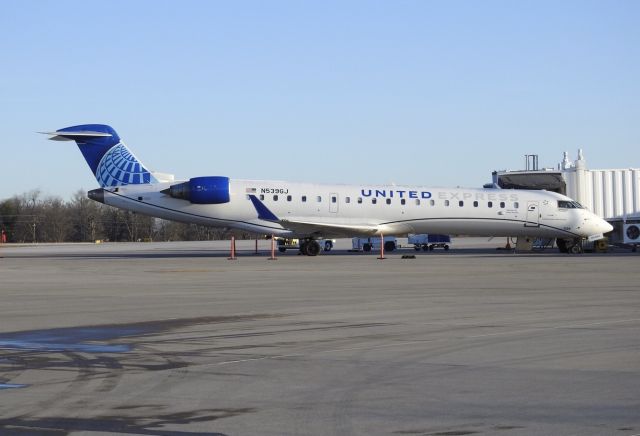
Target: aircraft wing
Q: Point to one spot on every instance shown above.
(320, 228)
(324, 229)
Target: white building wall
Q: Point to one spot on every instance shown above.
(613, 193)
(627, 193)
(609, 193)
(635, 183)
(596, 187)
(618, 193)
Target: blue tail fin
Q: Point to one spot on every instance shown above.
(110, 160)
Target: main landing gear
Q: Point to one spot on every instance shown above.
(573, 246)
(309, 247)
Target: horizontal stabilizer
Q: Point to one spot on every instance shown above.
(73, 136)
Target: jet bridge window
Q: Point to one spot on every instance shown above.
(569, 205)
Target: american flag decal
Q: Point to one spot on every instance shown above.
(251, 190)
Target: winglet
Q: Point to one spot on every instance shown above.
(263, 212)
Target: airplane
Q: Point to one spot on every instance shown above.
(310, 211)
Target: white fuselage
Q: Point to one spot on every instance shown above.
(391, 210)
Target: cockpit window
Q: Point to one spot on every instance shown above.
(569, 205)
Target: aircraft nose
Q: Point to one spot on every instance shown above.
(606, 227)
(598, 225)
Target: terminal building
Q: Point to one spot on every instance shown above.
(613, 194)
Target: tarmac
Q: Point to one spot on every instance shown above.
(174, 339)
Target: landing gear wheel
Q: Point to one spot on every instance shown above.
(425, 247)
(328, 245)
(431, 247)
(303, 248)
(282, 249)
(446, 248)
(366, 247)
(313, 248)
(389, 246)
(576, 249)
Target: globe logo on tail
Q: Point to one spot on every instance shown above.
(119, 167)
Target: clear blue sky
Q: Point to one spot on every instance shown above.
(412, 92)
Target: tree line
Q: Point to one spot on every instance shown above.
(34, 217)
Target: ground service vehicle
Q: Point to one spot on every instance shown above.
(373, 243)
(429, 241)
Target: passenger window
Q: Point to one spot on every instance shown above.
(417, 202)
(288, 198)
(490, 204)
(319, 199)
(475, 204)
(516, 205)
(261, 197)
(403, 202)
(502, 204)
(432, 202)
(388, 201)
(374, 201)
(359, 200)
(334, 199)
(446, 202)
(275, 198)
(461, 203)
(304, 198)
(347, 199)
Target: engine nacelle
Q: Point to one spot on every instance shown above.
(202, 190)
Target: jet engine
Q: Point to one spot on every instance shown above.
(201, 190)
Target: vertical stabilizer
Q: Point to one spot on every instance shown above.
(110, 160)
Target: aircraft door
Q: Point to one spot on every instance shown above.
(533, 214)
(333, 202)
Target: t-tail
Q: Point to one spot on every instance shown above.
(110, 160)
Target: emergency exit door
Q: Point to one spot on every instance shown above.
(533, 214)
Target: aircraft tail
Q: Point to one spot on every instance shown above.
(110, 160)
